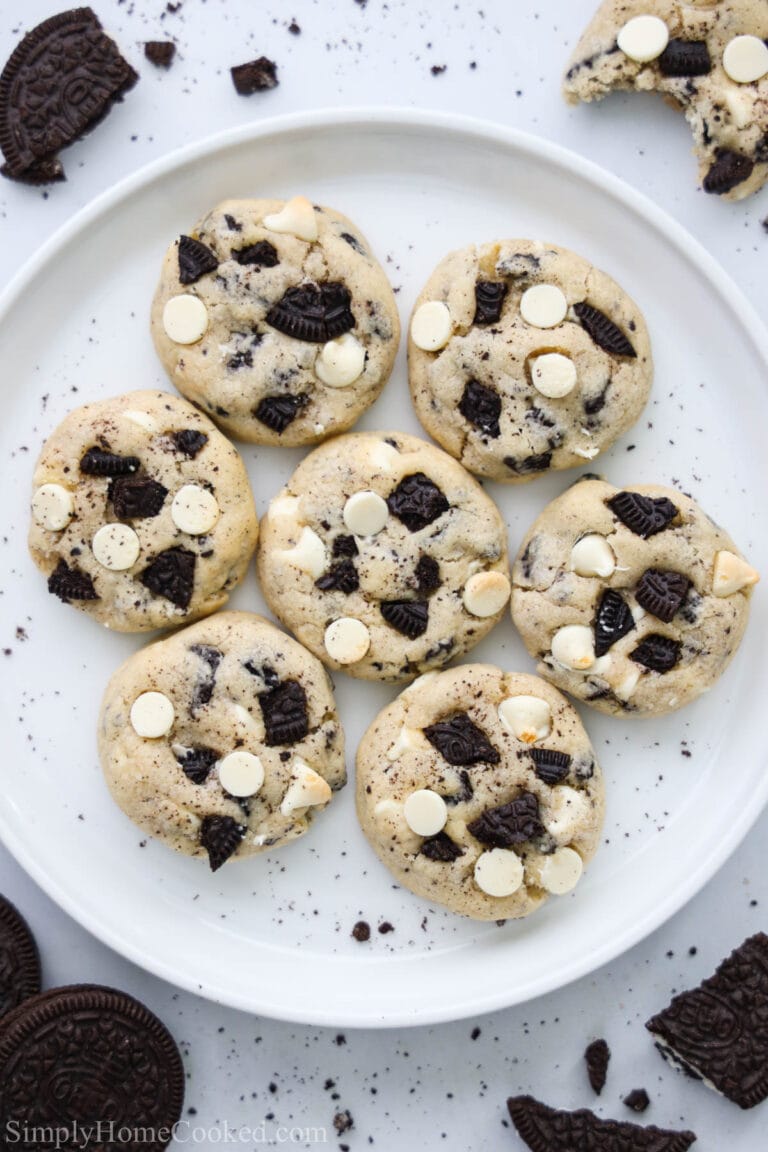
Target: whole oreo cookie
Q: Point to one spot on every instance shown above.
(19, 959)
(82, 1053)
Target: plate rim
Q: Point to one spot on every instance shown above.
(510, 139)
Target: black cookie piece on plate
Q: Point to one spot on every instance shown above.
(597, 1056)
(19, 959)
(718, 1032)
(546, 1129)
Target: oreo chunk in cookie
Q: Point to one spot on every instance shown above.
(417, 501)
(509, 824)
(313, 312)
(546, 1129)
(19, 959)
(459, 741)
(718, 1032)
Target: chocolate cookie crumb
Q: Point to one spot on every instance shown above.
(638, 1100)
(597, 1056)
(362, 931)
(385, 927)
(255, 76)
(343, 1121)
(160, 52)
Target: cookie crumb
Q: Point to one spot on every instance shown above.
(160, 52)
(343, 1121)
(386, 927)
(637, 1100)
(362, 931)
(597, 1055)
(255, 76)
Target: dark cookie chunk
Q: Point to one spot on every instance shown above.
(662, 592)
(466, 792)
(719, 1031)
(643, 515)
(489, 298)
(285, 712)
(441, 849)
(637, 1100)
(685, 58)
(728, 171)
(220, 836)
(74, 1055)
(417, 501)
(211, 658)
(550, 765)
(59, 82)
(19, 959)
(97, 462)
(196, 763)
(341, 577)
(409, 617)
(603, 331)
(461, 742)
(546, 1129)
(538, 463)
(195, 260)
(597, 1056)
(614, 619)
(255, 76)
(313, 312)
(172, 575)
(189, 441)
(137, 498)
(344, 546)
(481, 407)
(160, 52)
(427, 575)
(261, 255)
(277, 412)
(659, 653)
(509, 824)
(71, 584)
(361, 932)
(353, 242)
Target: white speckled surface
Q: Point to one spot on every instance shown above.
(433, 1087)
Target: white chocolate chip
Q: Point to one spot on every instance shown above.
(431, 326)
(499, 872)
(486, 593)
(587, 453)
(306, 789)
(553, 374)
(241, 715)
(643, 38)
(417, 686)
(593, 556)
(574, 647)
(152, 715)
(52, 507)
(625, 686)
(340, 362)
(347, 640)
(745, 59)
(740, 105)
(561, 872)
(285, 506)
(142, 419)
(388, 811)
(543, 306)
(407, 740)
(296, 218)
(383, 456)
(365, 513)
(308, 553)
(241, 773)
(185, 319)
(732, 574)
(565, 813)
(425, 812)
(194, 510)
(116, 547)
(638, 612)
(529, 718)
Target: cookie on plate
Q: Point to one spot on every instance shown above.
(632, 599)
(142, 514)
(19, 959)
(222, 740)
(276, 319)
(479, 789)
(710, 60)
(384, 556)
(523, 357)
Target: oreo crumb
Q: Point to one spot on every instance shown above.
(362, 932)
(638, 1100)
(343, 1121)
(255, 76)
(385, 927)
(438, 69)
(160, 52)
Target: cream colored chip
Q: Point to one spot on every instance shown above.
(194, 510)
(152, 715)
(425, 812)
(592, 555)
(431, 326)
(553, 374)
(499, 872)
(308, 553)
(296, 218)
(307, 789)
(185, 319)
(241, 773)
(407, 740)
(529, 718)
(543, 306)
(116, 547)
(340, 362)
(285, 506)
(561, 872)
(347, 640)
(365, 513)
(53, 507)
(486, 593)
(643, 38)
(745, 59)
(732, 574)
(574, 647)
(565, 811)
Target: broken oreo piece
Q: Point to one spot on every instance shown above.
(341, 577)
(656, 652)
(441, 849)
(417, 501)
(489, 298)
(172, 575)
(277, 412)
(160, 53)
(344, 546)
(718, 1032)
(546, 1129)
(613, 620)
(508, 824)
(211, 658)
(409, 617)
(459, 741)
(643, 515)
(97, 462)
(537, 463)
(261, 255)
(728, 170)
(195, 259)
(254, 76)
(603, 331)
(71, 584)
(597, 1055)
(685, 58)
(19, 959)
(136, 497)
(481, 407)
(637, 1100)
(662, 592)
(550, 765)
(220, 836)
(285, 712)
(315, 313)
(189, 441)
(196, 763)
(427, 575)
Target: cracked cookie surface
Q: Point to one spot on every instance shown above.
(222, 740)
(479, 789)
(524, 358)
(633, 600)
(275, 318)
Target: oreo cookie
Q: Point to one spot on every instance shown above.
(508, 824)
(489, 298)
(277, 412)
(259, 255)
(441, 849)
(19, 959)
(220, 836)
(254, 76)
(643, 515)
(137, 497)
(613, 620)
(285, 712)
(341, 577)
(99, 462)
(657, 653)
(196, 763)
(459, 741)
(160, 52)
(172, 575)
(662, 592)
(728, 171)
(71, 584)
(408, 617)
(195, 260)
(685, 58)
(603, 331)
(550, 765)
(546, 1129)
(481, 407)
(597, 1056)
(313, 312)
(189, 442)
(417, 501)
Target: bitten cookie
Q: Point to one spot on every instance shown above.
(523, 358)
(480, 790)
(632, 600)
(223, 740)
(384, 556)
(710, 60)
(276, 319)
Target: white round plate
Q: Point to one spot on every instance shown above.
(272, 935)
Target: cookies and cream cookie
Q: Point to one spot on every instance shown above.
(384, 556)
(631, 599)
(142, 514)
(479, 790)
(523, 357)
(222, 740)
(276, 319)
(708, 59)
